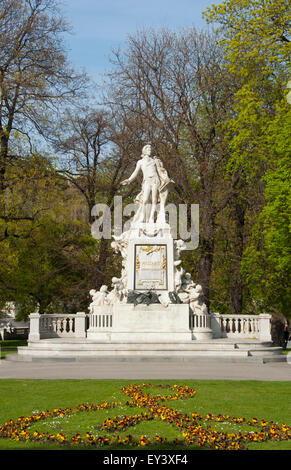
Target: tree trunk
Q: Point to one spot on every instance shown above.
(207, 234)
(3, 160)
(236, 287)
(102, 260)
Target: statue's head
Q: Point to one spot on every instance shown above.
(103, 289)
(146, 150)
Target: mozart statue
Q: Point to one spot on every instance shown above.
(155, 186)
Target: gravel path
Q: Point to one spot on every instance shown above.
(146, 370)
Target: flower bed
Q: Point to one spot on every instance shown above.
(195, 429)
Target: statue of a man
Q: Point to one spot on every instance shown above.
(155, 186)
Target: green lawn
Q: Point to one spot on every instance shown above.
(247, 399)
(10, 346)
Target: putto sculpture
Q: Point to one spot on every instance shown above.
(99, 298)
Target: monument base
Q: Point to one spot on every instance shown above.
(142, 323)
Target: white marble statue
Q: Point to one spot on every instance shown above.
(178, 278)
(120, 245)
(117, 293)
(179, 246)
(187, 283)
(150, 254)
(196, 304)
(185, 286)
(98, 298)
(155, 187)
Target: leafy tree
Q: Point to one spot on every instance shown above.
(256, 37)
(267, 260)
(47, 261)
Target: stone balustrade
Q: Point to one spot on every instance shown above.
(102, 321)
(220, 326)
(199, 321)
(57, 325)
(241, 326)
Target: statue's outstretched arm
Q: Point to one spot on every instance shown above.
(133, 176)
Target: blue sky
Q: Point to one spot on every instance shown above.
(101, 25)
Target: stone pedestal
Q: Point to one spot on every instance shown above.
(265, 327)
(34, 327)
(141, 324)
(80, 325)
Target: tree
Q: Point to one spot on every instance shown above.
(92, 158)
(256, 38)
(255, 34)
(80, 139)
(35, 77)
(267, 260)
(48, 261)
(174, 88)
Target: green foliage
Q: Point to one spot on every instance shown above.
(47, 255)
(47, 264)
(267, 260)
(255, 34)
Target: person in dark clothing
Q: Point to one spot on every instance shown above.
(285, 335)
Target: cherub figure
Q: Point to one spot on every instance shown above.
(187, 283)
(116, 295)
(196, 304)
(98, 298)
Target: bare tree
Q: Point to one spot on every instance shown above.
(35, 76)
(176, 88)
(81, 138)
(95, 152)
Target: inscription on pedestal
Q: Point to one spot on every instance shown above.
(150, 267)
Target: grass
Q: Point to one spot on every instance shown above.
(286, 351)
(248, 399)
(10, 346)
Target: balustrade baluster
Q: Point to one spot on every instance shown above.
(54, 325)
(222, 324)
(236, 326)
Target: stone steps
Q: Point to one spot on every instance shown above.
(162, 359)
(79, 344)
(71, 349)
